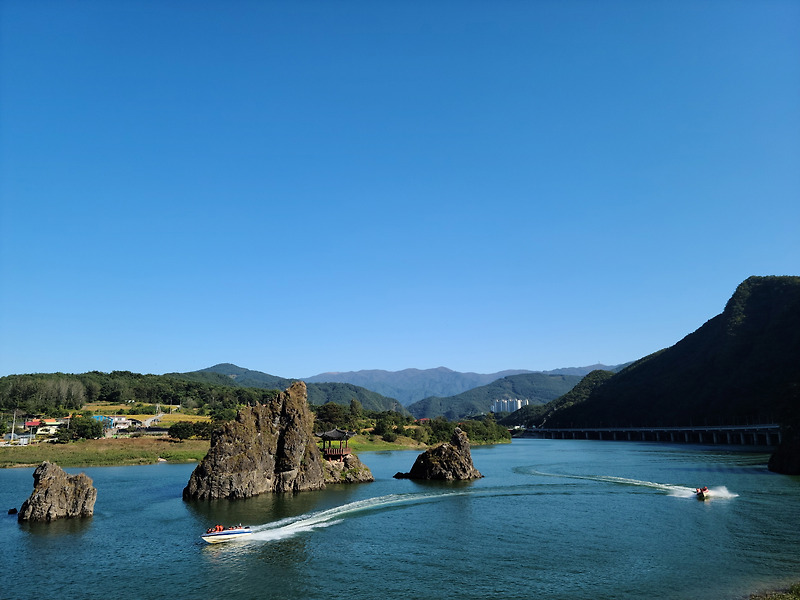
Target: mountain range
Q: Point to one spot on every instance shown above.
(463, 394)
(411, 385)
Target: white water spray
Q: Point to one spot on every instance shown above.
(292, 526)
(677, 491)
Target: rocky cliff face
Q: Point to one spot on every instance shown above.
(350, 470)
(58, 495)
(268, 448)
(447, 462)
(786, 458)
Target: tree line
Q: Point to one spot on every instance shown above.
(389, 425)
(58, 394)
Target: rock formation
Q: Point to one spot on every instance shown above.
(447, 462)
(786, 458)
(57, 495)
(267, 448)
(350, 470)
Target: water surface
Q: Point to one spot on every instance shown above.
(550, 519)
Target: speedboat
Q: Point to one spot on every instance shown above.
(703, 493)
(218, 534)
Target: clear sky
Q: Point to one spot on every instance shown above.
(308, 186)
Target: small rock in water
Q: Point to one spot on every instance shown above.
(57, 495)
(448, 462)
(12, 511)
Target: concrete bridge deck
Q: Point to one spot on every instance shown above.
(739, 435)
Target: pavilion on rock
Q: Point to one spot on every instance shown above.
(341, 436)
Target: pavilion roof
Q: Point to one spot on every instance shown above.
(336, 434)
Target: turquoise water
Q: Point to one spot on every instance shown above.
(550, 519)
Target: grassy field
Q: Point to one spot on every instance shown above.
(144, 450)
(361, 443)
(105, 452)
(168, 419)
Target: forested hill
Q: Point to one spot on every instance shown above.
(742, 365)
(55, 394)
(318, 393)
(229, 374)
(537, 388)
(410, 385)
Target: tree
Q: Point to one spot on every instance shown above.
(181, 430)
(220, 415)
(86, 428)
(332, 413)
(382, 426)
(203, 429)
(356, 409)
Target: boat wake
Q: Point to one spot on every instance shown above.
(292, 526)
(677, 491)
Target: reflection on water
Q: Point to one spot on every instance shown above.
(57, 528)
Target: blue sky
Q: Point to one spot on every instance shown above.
(309, 186)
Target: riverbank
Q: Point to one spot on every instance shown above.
(146, 450)
(793, 593)
(105, 452)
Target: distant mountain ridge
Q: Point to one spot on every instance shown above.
(536, 388)
(318, 393)
(379, 390)
(411, 385)
(742, 365)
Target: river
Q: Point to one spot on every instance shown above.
(558, 519)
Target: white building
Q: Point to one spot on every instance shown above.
(508, 405)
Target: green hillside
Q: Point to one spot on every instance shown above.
(56, 394)
(537, 415)
(741, 366)
(537, 388)
(210, 392)
(244, 377)
(318, 393)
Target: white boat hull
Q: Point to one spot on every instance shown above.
(226, 535)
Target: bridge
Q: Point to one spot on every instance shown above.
(739, 435)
